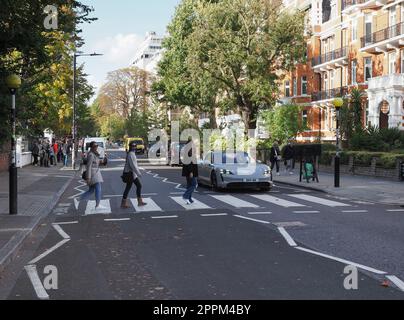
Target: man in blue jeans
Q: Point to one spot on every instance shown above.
(190, 172)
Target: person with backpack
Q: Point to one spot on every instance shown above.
(93, 178)
(131, 175)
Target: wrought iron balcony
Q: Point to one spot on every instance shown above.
(349, 3)
(329, 94)
(382, 35)
(330, 56)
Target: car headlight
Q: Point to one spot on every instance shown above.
(267, 172)
(225, 171)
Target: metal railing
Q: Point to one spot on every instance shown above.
(348, 3)
(329, 56)
(382, 35)
(329, 94)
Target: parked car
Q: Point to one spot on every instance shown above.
(101, 149)
(234, 170)
(139, 143)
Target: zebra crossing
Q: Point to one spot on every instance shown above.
(216, 201)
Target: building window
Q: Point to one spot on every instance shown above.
(354, 30)
(332, 84)
(304, 81)
(325, 81)
(368, 68)
(294, 87)
(287, 88)
(304, 118)
(326, 6)
(333, 9)
(392, 16)
(368, 28)
(392, 62)
(353, 72)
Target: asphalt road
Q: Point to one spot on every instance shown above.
(288, 243)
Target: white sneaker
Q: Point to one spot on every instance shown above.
(188, 202)
(76, 203)
(278, 174)
(100, 208)
(290, 172)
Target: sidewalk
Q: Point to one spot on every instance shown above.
(39, 189)
(363, 188)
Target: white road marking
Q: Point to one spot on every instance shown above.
(193, 206)
(50, 250)
(306, 211)
(255, 220)
(59, 229)
(398, 282)
(252, 213)
(64, 204)
(354, 211)
(287, 237)
(318, 200)
(278, 201)
(360, 266)
(289, 224)
(150, 206)
(36, 282)
(164, 217)
(213, 214)
(395, 210)
(123, 219)
(91, 207)
(235, 202)
(67, 222)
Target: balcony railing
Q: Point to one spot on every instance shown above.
(327, 57)
(383, 35)
(348, 3)
(329, 94)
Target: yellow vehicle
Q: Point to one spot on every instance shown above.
(140, 148)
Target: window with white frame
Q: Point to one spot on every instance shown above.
(325, 87)
(287, 88)
(392, 62)
(304, 119)
(354, 30)
(368, 28)
(333, 9)
(392, 16)
(367, 62)
(294, 87)
(353, 72)
(332, 84)
(304, 83)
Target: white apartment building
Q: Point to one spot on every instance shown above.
(149, 53)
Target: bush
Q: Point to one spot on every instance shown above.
(375, 139)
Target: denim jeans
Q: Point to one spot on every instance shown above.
(191, 185)
(65, 158)
(94, 188)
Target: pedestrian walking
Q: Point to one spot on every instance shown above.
(35, 154)
(131, 175)
(190, 171)
(52, 157)
(64, 154)
(275, 157)
(93, 178)
(41, 153)
(288, 156)
(46, 154)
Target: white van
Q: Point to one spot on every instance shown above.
(102, 145)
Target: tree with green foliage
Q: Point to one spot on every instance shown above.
(242, 46)
(283, 122)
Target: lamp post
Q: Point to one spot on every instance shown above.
(337, 102)
(13, 82)
(74, 103)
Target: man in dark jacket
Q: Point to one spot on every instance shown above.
(288, 156)
(190, 171)
(35, 153)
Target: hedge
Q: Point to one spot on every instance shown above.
(384, 160)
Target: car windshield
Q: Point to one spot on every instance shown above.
(230, 158)
(100, 145)
(138, 141)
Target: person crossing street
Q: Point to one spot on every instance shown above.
(131, 175)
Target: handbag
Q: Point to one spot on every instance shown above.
(84, 175)
(127, 177)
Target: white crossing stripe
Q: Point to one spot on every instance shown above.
(164, 217)
(395, 210)
(318, 200)
(257, 213)
(354, 211)
(149, 207)
(213, 214)
(235, 202)
(277, 201)
(306, 211)
(90, 209)
(193, 206)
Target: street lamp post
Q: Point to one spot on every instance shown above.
(13, 82)
(337, 102)
(74, 148)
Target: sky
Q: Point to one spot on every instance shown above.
(120, 29)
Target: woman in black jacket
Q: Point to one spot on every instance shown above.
(275, 157)
(190, 172)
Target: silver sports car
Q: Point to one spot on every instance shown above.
(233, 170)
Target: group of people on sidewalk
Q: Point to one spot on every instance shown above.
(287, 155)
(46, 153)
(131, 176)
